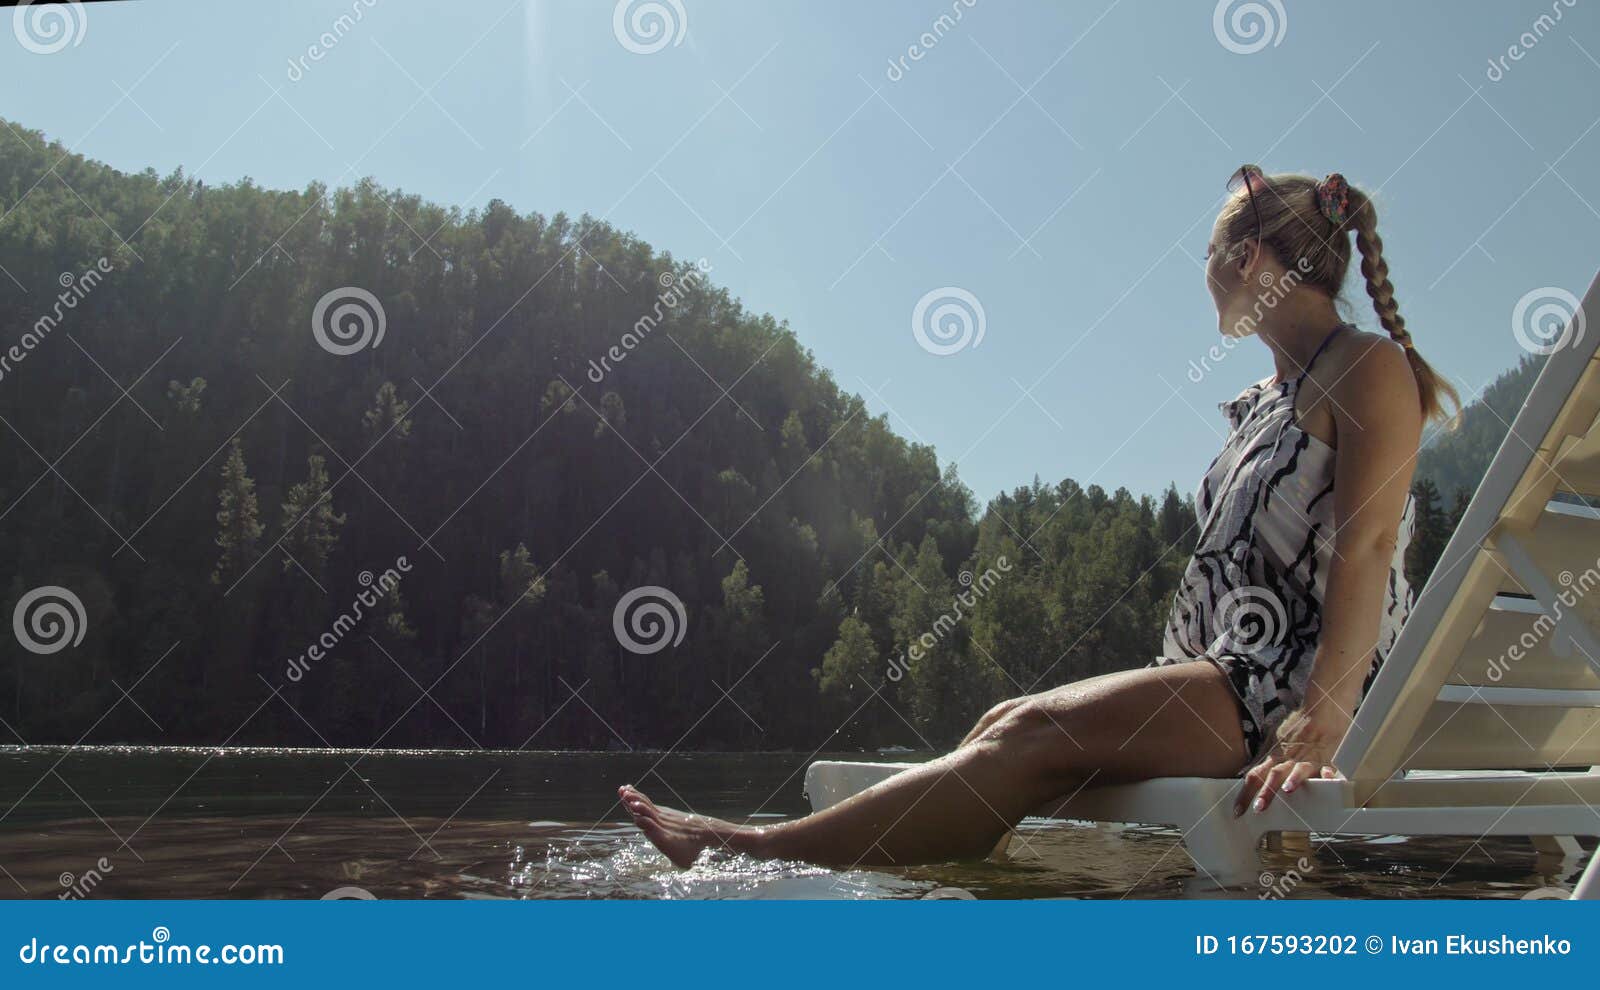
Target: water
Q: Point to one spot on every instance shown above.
(140, 822)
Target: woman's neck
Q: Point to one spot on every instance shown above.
(1295, 330)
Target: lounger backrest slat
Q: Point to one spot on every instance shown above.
(1513, 648)
(1498, 666)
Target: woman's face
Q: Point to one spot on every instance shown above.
(1226, 274)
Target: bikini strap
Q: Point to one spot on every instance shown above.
(1318, 353)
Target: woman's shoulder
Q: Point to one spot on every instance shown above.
(1365, 369)
(1371, 359)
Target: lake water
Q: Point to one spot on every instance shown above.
(132, 822)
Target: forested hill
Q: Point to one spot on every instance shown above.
(541, 416)
(1457, 460)
(500, 490)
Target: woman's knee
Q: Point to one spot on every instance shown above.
(1001, 710)
(1032, 728)
(990, 717)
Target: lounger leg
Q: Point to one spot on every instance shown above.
(998, 853)
(1289, 842)
(1559, 846)
(1588, 888)
(1225, 851)
(1560, 856)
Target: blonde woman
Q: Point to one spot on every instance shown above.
(1293, 597)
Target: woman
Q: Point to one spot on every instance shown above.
(1294, 595)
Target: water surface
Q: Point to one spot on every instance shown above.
(138, 822)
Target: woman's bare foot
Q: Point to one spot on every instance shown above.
(682, 837)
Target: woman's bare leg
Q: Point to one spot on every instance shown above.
(1179, 720)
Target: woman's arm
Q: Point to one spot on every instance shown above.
(1378, 424)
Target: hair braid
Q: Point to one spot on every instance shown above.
(1363, 219)
(1376, 270)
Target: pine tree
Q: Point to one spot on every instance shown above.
(849, 670)
(238, 518)
(1430, 531)
(312, 527)
(387, 415)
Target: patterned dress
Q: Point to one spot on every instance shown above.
(1251, 597)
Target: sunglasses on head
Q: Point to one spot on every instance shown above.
(1246, 177)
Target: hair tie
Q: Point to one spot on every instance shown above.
(1333, 198)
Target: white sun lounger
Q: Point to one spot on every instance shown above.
(1485, 719)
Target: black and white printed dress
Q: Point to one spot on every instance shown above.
(1251, 597)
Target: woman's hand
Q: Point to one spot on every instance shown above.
(1304, 749)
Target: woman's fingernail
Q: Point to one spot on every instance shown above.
(1258, 805)
(1288, 786)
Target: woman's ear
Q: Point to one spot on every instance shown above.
(1249, 257)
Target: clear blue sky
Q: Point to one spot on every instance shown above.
(1061, 162)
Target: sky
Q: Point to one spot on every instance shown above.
(1057, 166)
